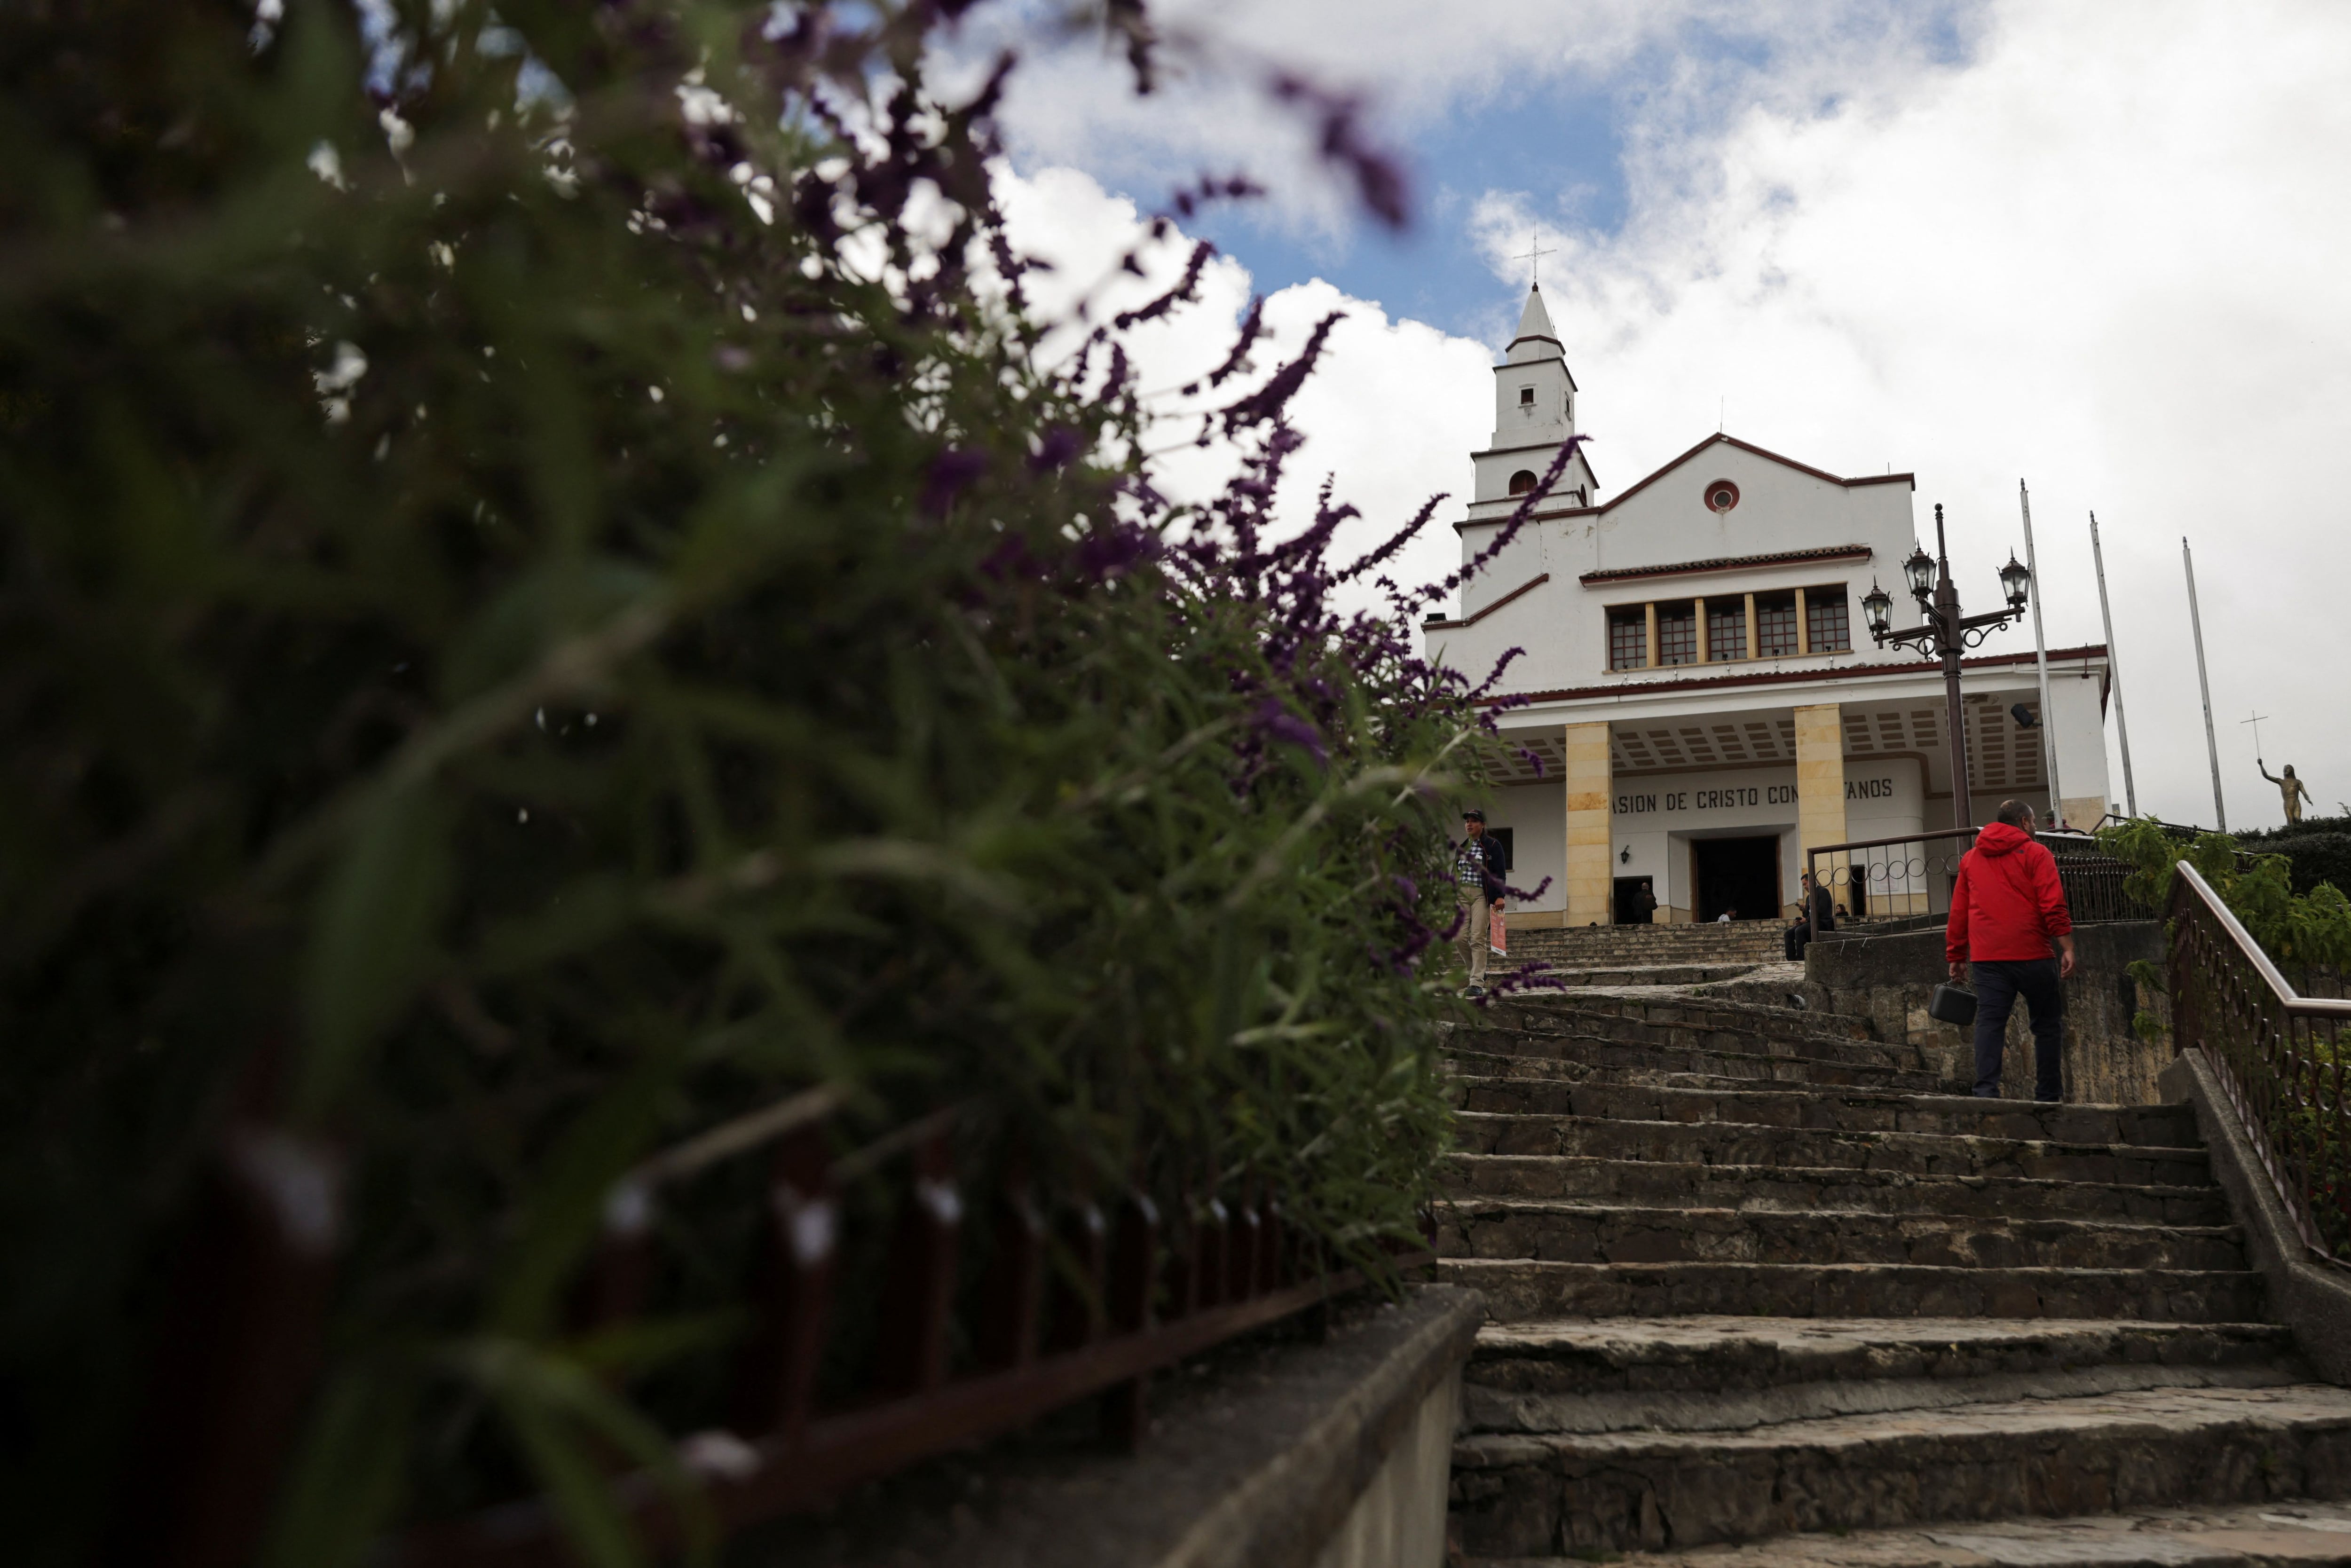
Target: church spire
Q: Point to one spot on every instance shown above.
(1534, 321)
(1534, 412)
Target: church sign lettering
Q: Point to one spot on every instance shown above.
(1643, 803)
(1731, 799)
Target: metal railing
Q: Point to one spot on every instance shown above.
(1911, 875)
(1069, 1301)
(2283, 1059)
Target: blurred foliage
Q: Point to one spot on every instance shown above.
(549, 601)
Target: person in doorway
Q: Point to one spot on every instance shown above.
(2008, 910)
(1645, 904)
(1479, 866)
(1726, 917)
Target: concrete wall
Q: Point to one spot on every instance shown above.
(1279, 1452)
(1888, 979)
(1399, 1520)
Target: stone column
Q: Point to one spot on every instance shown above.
(1819, 783)
(1591, 886)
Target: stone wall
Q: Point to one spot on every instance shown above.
(1888, 979)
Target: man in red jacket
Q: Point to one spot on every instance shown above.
(2007, 909)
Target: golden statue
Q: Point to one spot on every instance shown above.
(2290, 786)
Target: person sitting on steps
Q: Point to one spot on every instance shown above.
(2008, 908)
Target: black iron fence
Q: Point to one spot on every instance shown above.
(1078, 1294)
(2283, 1059)
(1911, 875)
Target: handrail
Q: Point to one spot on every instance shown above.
(2282, 1060)
(2294, 1000)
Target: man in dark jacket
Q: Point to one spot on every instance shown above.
(1479, 864)
(2008, 908)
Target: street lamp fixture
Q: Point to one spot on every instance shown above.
(1944, 636)
(2013, 578)
(1878, 606)
(1920, 570)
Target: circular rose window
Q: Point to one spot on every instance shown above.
(1721, 496)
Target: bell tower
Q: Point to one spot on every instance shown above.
(1534, 412)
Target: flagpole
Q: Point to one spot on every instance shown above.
(2114, 668)
(2204, 685)
(2041, 653)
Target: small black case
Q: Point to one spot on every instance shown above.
(1950, 1003)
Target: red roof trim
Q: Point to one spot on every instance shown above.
(1718, 438)
(1472, 620)
(1730, 563)
(1797, 677)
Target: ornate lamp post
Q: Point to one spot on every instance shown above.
(1945, 633)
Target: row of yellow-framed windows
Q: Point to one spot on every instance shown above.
(1737, 627)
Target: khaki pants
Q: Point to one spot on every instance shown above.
(1476, 925)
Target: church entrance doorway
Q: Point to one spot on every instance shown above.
(1738, 876)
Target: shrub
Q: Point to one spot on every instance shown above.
(2298, 929)
(549, 601)
(2316, 850)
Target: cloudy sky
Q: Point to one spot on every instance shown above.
(2101, 249)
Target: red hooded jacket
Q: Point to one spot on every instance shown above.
(2008, 902)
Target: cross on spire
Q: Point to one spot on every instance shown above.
(1532, 255)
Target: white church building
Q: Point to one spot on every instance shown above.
(1701, 691)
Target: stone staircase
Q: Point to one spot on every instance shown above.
(1596, 947)
(1766, 1291)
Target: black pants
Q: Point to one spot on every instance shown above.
(1999, 982)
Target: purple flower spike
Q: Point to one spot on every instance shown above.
(1060, 444)
(1278, 723)
(951, 470)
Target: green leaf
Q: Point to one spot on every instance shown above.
(372, 930)
(350, 1470)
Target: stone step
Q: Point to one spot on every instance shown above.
(1529, 1495)
(1691, 1072)
(1570, 1012)
(1521, 1290)
(1663, 1067)
(1753, 1144)
(2255, 1535)
(1742, 937)
(1781, 1187)
(1631, 972)
(1632, 1358)
(1839, 1110)
(1489, 1410)
(1577, 1044)
(1551, 1230)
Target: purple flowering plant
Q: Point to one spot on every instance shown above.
(545, 607)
